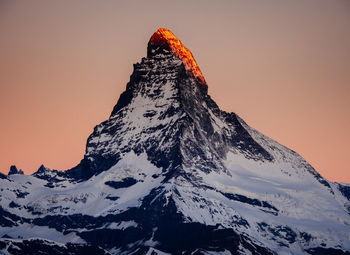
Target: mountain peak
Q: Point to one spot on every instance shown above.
(14, 170)
(165, 38)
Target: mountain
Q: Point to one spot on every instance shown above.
(171, 173)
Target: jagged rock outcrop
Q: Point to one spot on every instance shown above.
(14, 170)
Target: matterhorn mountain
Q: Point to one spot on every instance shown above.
(171, 173)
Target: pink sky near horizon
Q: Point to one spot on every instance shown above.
(283, 67)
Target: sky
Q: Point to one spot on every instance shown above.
(283, 66)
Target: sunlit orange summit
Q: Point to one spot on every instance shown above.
(165, 37)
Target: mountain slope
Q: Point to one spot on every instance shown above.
(169, 172)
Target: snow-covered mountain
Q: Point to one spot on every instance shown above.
(170, 173)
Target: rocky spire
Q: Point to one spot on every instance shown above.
(14, 170)
(164, 38)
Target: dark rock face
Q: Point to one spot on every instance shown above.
(44, 247)
(345, 190)
(327, 251)
(14, 170)
(2, 176)
(127, 182)
(8, 219)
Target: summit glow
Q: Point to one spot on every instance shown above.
(165, 37)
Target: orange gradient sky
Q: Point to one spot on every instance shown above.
(283, 66)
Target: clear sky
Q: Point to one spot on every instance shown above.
(283, 66)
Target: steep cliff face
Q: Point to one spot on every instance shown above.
(170, 172)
